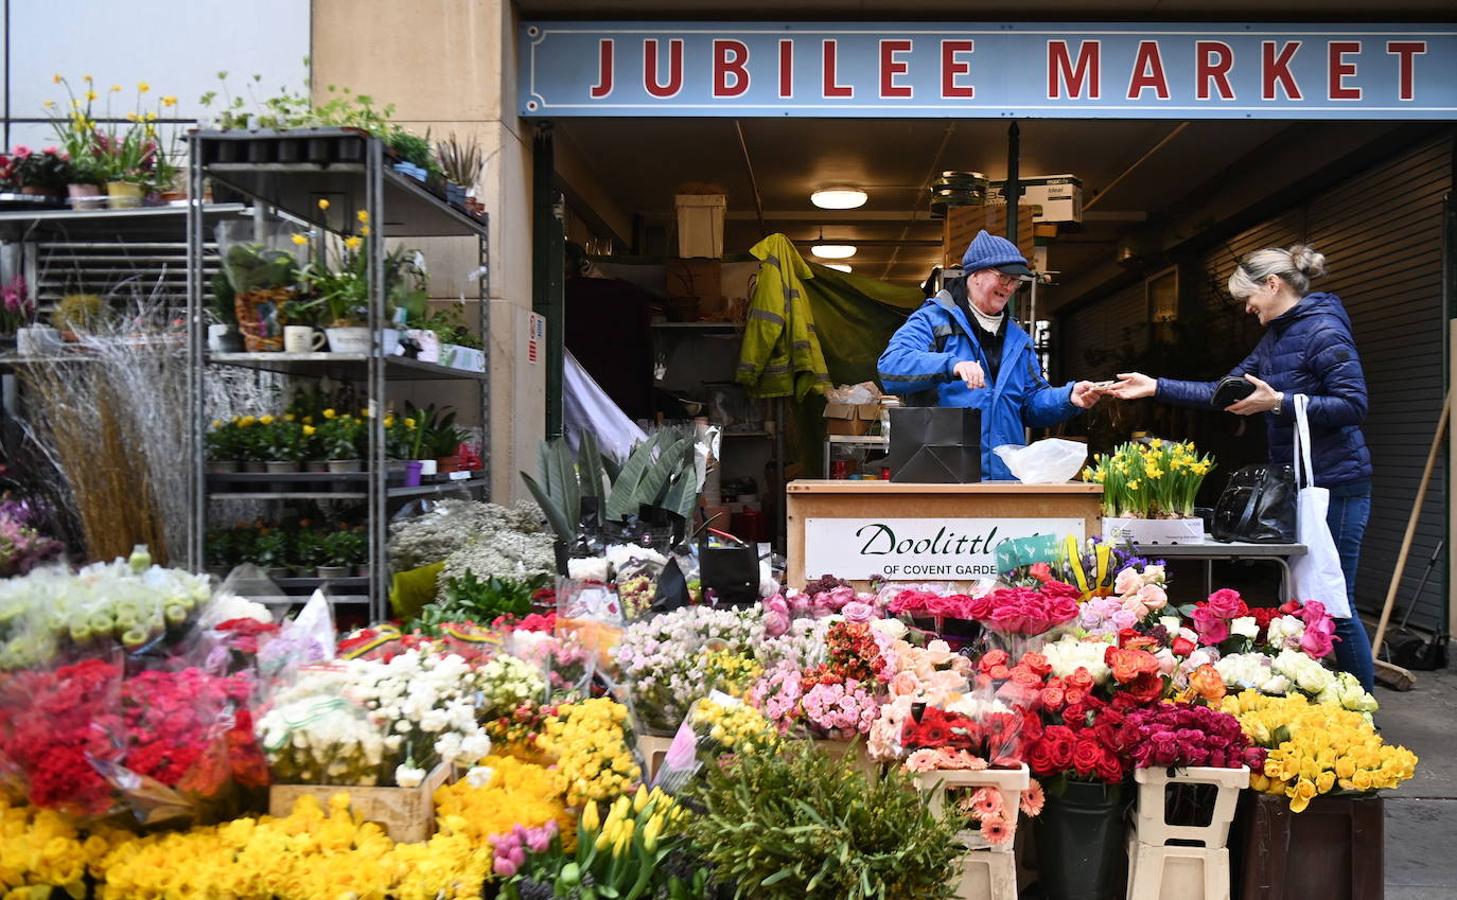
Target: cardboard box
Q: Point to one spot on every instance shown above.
(851, 418)
(701, 278)
(963, 222)
(1060, 196)
(406, 814)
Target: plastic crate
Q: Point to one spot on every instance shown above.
(1152, 815)
(1011, 783)
(1176, 873)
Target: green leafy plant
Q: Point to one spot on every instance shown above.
(414, 149)
(220, 303)
(77, 312)
(339, 437)
(309, 549)
(345, 548)
(46, 170)
(799, 825)
(449, 326)
(271, 549)
(257, 267)
(287, 442)
(461, 159)
(467, 598)
(224, 441)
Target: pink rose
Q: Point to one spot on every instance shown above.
(1227, 604)
(855, 611)
(1153, 598)
(1009, 618)
(1127, 581)
(977, 607)
(1212, 628)
(1062, 609)
(776, 616)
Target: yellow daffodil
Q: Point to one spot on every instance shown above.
(90, 95)
(329, 413)
(169, 101)
(143, 87)
(300, 240)
(56, 78)
(323, 203)
(409, 422)
(362, 216)
(288, 417)
(265, 420)
(352, 243)
(389, 421)
(116, 89)
(49, 104)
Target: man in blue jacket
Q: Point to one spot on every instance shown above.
(963, 345)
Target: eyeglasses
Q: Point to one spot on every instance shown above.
(1005, 280)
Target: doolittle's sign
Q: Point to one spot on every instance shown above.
(917, 549)
(987, 70)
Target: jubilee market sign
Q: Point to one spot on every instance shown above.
(917, 549)
(1175, 71)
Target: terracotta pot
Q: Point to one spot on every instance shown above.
(448, 464)
(86, 196)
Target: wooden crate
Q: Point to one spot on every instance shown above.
(406, 814)
(963, 222)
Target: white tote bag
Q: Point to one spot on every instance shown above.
(1317, 575)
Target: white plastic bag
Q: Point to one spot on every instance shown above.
(1318, 574)
(1050, 461)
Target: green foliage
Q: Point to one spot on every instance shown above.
(461, 159)
(449, 325)
(340, 437)
(798, 825)
(345, 548)
(48, 171)
(256, 267)
(221, 304)
(271, 549)
(286, 442)
(309, 549)
(471, 599)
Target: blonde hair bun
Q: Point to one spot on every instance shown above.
(1307, 261)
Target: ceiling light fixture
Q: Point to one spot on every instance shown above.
(831, 251)
(839, 198)
(839, 267)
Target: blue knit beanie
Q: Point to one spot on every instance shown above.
(987, 251)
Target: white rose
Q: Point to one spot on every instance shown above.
(1276, 685)
(407, 776)
(479, 776)
(1172, 624)
(892, 628)
(1153, 574)
(1245, 626)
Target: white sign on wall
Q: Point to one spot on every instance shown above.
(913, 549)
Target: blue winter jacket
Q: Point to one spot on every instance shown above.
(1019, 399)
(1308, 350)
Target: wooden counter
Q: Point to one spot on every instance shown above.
(924, 532)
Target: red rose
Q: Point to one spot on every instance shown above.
(1087, 753)
(1080, 679)
(1052, 697)
(1183, 646)
(1110, 769)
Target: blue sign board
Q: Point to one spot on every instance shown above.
(1117, 71)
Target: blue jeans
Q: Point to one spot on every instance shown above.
(1347, 519)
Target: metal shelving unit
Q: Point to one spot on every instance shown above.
(357, 177)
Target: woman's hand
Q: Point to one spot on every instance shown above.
(970, 372)
(1134, 386)
(1264, 399)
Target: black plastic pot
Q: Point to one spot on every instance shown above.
(227, 151)
(262, 150)
(290, 151)
(318, 150)
(1080, 841)
(350, 150)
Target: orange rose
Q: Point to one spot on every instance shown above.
(1129, 664)
(1207, 684)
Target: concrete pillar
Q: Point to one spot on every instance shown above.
(449, 66)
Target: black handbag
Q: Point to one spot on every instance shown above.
(1257, 506)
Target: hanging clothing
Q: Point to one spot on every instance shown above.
(781, 354)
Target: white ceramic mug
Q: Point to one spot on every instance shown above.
(302, 339)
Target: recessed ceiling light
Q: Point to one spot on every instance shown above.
(839, 198)
(839, 267)
(833, 251)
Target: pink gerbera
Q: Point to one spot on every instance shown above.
(987, 802)
(1032, 799)
(995, 830)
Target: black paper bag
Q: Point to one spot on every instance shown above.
(732, 573)
(956, 430)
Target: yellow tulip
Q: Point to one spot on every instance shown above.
(590, 818)
(640, 799)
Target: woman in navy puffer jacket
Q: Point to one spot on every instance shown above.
(1307, 349)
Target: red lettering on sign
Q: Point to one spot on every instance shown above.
(1063, 76)
(832, 89)
(1148, 72)
(951, 68)
(650, 68)
(1215, 59)
(1338, 70)
(603, 87)
(730, 62)
(1406, 53)
(786, 68)
(891, 67)
(1276, 68)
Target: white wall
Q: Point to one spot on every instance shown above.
(176, 46)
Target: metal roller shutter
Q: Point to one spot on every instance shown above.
(1098, 331)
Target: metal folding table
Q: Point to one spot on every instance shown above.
(1210, 550)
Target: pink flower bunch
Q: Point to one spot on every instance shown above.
(1177, 735)
(1022, 611)
(840, 599)
(1318, 642)
(930, 759)
(1105, 616)
(843, 708)
(994, 823)
(511, 847)
(777, 695)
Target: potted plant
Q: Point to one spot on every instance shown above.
(342, 294)
(76, 313)
(271, 551)
(131, 157)
(308, 552)
(222, 332)
(312, 447)
(461, 161)
(286, 447)
(1149, 490)
(219, 551)
(17, 321)
(339, 437)
(224, 446)
(262, 274)
(43, 173)
(347, 549)
(442, 439)
(75, 130)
